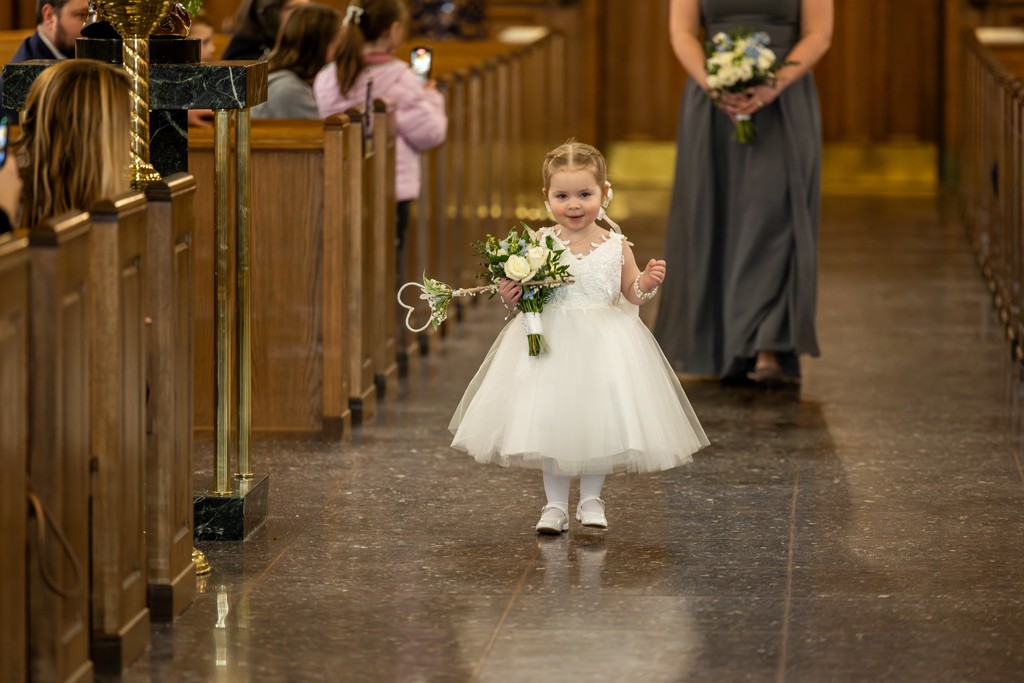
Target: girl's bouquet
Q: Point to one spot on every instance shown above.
(526, 257)
(532, 261)
(737, 61)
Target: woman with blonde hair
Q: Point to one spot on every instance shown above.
(307, 41)
(74, 147)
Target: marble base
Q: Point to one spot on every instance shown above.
(232, 517)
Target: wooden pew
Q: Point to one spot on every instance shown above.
(360, 289)
(382, 215)
(117, 407)
(169, 408)
(59, 459)
(14, 354)
(293, 239)
(343, 146)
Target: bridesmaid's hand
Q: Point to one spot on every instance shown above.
(748, 102)
(510, 291)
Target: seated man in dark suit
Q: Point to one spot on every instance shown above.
(59, 24)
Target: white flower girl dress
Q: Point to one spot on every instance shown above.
(601, 399)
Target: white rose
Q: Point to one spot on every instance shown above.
(765, 61)
(518, 268)
(537, 256)
(714, 82)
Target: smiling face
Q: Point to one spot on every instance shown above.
(575, 198)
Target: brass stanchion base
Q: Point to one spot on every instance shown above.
(143, 175)
(202, 564)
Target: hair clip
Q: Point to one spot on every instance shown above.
(352, 14)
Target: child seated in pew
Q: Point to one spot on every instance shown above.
(373, 30)
(307, 41)
(72, 162)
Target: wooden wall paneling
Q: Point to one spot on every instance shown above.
(59, 447)
(117, 404)
(169, 409)
(341, 150)
(641, 77)
(14, 354)
(18, 14)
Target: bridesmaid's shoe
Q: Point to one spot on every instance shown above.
(553, 524)
(767, 374)
(596, 520)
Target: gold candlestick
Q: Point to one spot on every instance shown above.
(135, 20)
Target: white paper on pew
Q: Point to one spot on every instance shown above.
(521, 35)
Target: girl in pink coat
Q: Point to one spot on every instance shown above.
(373, 30)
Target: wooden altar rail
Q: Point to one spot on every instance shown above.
(992, 175)
(78, 291)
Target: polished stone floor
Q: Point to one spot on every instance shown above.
(866, 527)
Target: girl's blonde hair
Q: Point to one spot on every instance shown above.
(75, 138)
(304, 40)
(376, 20)
(573, 156)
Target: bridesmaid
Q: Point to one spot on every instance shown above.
(744, 217)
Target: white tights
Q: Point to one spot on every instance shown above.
(556, 487)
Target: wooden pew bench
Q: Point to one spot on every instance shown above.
(304, 228)
(14, 355)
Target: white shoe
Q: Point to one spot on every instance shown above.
(553, 524)
(591, 519)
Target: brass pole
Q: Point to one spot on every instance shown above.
(135, 55)
(221, 274)
(243, 291)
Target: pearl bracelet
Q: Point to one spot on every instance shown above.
(640, 294)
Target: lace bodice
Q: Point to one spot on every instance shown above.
(598, 276)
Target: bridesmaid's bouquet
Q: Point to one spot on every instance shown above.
(532, 260)
(527, 257)
(737, 61)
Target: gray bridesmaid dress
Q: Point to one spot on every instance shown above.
(742, 236)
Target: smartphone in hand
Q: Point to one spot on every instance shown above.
(420, 59)
(3, 140)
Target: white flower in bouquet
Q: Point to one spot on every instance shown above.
(518, 268)
(737, 62)
(537, 256)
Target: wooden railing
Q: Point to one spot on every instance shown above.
(992, 174)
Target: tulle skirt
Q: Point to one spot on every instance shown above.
(602, 399)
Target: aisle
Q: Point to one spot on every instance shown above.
(866, 528)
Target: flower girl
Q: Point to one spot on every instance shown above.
(602, 398)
